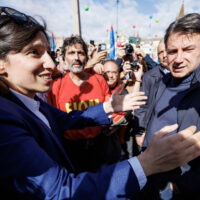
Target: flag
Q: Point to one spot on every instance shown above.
(112, 44)
(53, 46)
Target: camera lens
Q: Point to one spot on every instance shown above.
(129, 49)
(134, 66)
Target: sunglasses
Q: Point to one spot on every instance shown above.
(18, 16)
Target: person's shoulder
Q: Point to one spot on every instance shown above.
(59, 79)
(99, 76)
(96, 76)
(152, 71)
(11, 108)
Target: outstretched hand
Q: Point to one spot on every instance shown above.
(118, 103)
(165, 153)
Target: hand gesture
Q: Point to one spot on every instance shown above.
(118, 103)
(165, 153)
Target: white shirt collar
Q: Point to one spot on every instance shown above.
(30, 103)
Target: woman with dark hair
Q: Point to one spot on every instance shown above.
(34, 164)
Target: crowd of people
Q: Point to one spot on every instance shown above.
(88, 127)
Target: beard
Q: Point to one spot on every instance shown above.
(74, 69)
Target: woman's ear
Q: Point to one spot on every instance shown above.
(4, 88)
(2, 67)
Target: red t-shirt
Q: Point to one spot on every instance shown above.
(68, 96)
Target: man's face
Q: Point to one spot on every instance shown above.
(111, 74)
(162, 54)
(183, 54)
(75, 58)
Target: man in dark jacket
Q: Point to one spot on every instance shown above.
(175, 99)
(150, 81)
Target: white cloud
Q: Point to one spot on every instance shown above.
(102, 14)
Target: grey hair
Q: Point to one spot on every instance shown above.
(188, 24)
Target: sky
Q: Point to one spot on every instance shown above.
(96, 22)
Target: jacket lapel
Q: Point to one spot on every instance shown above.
(50, 132)
(162, 86)
(54, 132)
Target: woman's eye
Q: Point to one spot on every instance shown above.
(35, 52)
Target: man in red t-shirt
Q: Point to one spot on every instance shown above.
(76, 90)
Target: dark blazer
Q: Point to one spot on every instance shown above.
(34, 165)
(150, 84)
(188, 113)
(150, 81)
(150, 62)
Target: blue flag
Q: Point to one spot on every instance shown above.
(112, 44)
(53, 46)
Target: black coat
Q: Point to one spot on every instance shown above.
(188, 113)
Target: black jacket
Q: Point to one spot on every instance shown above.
(150, 84)
(187, 114)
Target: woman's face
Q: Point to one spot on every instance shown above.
(30, 70)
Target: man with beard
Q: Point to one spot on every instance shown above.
(77, 90)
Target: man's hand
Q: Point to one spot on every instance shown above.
(98, 56)
(165, 153)
(98, 68)
(126, 67)
(140, 139)
(118, 103)
(139, 51)
(139, 73)
(121, 52)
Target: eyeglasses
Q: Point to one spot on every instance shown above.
(115, 73)
(18, 16)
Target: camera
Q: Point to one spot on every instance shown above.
(134, 66)
(92, 42)
(101, 47)
(129, 49)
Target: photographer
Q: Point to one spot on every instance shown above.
(122, 51)
(131, 70)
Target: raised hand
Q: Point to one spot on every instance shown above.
(118, 103)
